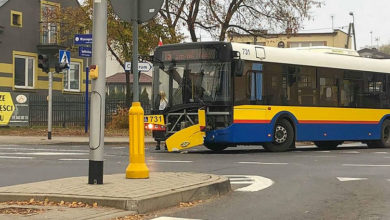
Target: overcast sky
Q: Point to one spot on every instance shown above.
(370, 15)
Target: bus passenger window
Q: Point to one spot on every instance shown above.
(290, 80)
(329, 81)
(328, 91)
(307, 88)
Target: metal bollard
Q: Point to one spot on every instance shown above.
(137, 168)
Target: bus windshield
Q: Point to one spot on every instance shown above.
(202, 82)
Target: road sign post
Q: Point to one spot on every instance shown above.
(98, 95)
(136, 12)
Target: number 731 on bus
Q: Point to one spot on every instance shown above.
(154, 122)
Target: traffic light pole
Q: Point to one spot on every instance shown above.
(96, 137)
(50, 106)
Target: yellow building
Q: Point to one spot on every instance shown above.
(337, 38)
(25, 32)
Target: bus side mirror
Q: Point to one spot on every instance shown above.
(238, 67)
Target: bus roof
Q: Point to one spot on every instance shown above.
(310, 58)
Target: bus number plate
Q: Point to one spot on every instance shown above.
(154, 119)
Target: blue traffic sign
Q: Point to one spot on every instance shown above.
(83, 39)
(64, 57)
(85, 51)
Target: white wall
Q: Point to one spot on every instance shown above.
(112, 65)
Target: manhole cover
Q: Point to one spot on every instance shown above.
(20, 211)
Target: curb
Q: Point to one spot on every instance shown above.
(86, 143)
(72, 143)
(217, 187)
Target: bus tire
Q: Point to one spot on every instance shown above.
(328, 145)
(384, 142)
(216, 147)
(283, 137)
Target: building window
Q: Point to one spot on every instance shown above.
(16, 19)
(49, 29)
(24, 71)
(307, 44)
(72, 78)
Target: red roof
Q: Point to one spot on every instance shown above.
(121, 78)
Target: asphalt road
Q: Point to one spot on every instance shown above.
(352, 182)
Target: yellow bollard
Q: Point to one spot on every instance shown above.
(137, 168)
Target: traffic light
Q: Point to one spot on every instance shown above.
(43, 63)
(60, 66)
(93, 71)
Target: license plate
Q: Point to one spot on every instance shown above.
(154, 119)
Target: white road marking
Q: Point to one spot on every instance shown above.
(354, 144)
(43, 153)
(311, 156)
(257, 183)
(241, 182)
(170, 161)
(344, 179)
(261, 163)
(73, 159)
(173, 218)
(350, 152)
(366, 165)
(323, 151)
(42, 149)
(381, 152)
(11, 157)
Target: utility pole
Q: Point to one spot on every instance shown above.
(50, 106)
(332, 17)
(371, 38)
(353, 29)
(98, 81)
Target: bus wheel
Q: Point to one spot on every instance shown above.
(283, 137)
(216, 147)
(328, 145)
(384, 142)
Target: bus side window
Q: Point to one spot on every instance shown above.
(256, 93)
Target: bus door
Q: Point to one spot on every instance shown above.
(248, 88)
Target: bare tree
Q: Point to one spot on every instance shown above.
(218, 17)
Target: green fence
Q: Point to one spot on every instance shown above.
(69, 110)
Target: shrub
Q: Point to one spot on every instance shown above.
(120, 119)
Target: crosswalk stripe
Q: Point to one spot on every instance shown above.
(262, 163)
(73, 159)
(41, 149)
(43, 153)
(170, 161)
(366, 165)
(12, 157)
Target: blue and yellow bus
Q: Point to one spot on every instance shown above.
(222, 94)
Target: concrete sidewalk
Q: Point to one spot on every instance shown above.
(161, 190)
(64, 140)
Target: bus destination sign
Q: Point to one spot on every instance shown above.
(189, 54)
